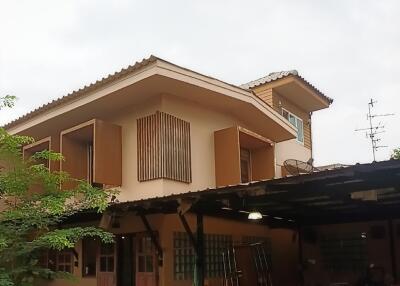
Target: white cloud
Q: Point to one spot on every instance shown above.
(348, 49)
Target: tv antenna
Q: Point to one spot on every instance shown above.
(374, 129)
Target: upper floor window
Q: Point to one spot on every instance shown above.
(245, 165)
(296, 122)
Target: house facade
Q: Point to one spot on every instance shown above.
(156, 129)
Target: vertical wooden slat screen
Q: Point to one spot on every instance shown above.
(163, 148)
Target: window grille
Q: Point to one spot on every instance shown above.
(184, 255)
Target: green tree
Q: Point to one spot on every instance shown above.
(31, 222)
(395, 154)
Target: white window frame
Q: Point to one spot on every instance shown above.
(298, 119)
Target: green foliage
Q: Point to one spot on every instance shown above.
(396, 154)
(32, 221)
(7, 101)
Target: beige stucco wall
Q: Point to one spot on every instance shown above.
(204, 119)
(203, 122)
(290, 149)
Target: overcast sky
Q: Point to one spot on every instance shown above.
(350, 50)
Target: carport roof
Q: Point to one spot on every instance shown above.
(331, 196)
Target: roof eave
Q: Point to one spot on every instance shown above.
(137, 72)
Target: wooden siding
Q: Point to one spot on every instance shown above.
(277, 102)
(163, 148)
(280, 102)
(266, 96)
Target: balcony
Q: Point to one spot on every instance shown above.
(242, 156)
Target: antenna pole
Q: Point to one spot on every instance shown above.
(371, 133)
(373, 130)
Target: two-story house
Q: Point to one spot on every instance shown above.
(155, 129)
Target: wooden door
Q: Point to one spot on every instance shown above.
(146, 262)
(106, 265)
(126, 260)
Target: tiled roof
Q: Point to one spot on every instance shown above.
(82, 91)
(99, 83)
(282, 74)
(270, 77)
(125, 71)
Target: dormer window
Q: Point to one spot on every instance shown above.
(297, 123)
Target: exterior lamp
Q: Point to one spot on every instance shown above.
(254, 215)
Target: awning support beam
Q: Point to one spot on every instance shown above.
(188, 231)
(153, 238)
(200, 254)
(198, 246)
(393, 252)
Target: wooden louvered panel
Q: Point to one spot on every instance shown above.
(163, 148)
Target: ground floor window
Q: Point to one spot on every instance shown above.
(107, 257)
(145, 255)
(64, 261)
(344, 252)
(215, 244)
(57, 260)
(184, 255)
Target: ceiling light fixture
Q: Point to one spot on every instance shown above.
(254, 215)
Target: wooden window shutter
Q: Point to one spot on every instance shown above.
(106, 144)
(163, 148)
(107, 154)
(227, 157)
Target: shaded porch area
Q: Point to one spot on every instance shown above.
(328, 210)
(337, 226)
